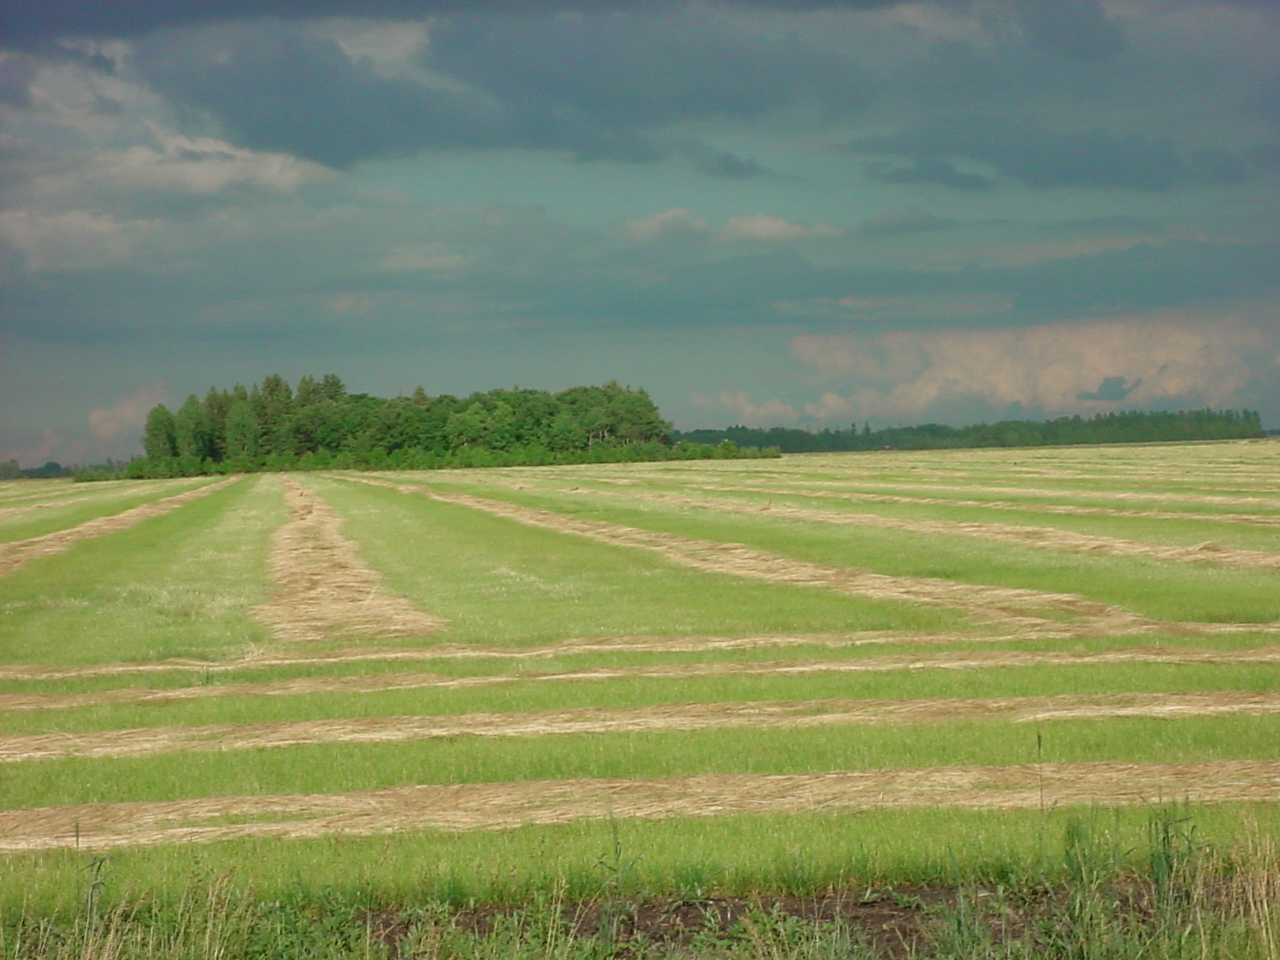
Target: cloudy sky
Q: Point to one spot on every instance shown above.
(796, 212)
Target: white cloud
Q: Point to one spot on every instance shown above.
(763, 228)
(677, 222)
(436, 257)
(747, 413)
(75, 240)
(1164, 357)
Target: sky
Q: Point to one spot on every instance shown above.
(804, 213)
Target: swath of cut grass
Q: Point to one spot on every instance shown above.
(503, 806)
(373, 683)
(18, 552)
(150, 741)
(324, 590)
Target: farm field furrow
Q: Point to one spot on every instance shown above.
(824, 663)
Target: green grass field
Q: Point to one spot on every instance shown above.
(639, 587)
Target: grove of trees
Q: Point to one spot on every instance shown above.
(318, 424)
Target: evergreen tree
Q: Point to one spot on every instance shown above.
(160, 439)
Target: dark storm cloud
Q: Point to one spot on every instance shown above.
(24, 22)
(1040, 158)
(1075, 29)
(597, 86)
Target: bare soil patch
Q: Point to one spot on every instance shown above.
(380, 682)
(667, 718)
(15, 554)
(324, 590)
(505, 805)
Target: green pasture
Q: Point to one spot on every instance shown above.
(529, 694)
(341, 767)
(1158, 589)
(742, 854)
(175, 585)
(54, 515)
(185, 585)
(505, 583)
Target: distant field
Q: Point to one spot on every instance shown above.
(750, 675)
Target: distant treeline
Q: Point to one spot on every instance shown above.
(318, 425)
(9, 470)
(1134, 426)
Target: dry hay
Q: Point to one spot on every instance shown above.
(1007, 605)
(489, 806)
(1260, 519)
(668, 718)
(13, 511)
(383, 682)
(694, 643)
(1273, 502)
(14, 555)
(324, 589)
(1049, 538)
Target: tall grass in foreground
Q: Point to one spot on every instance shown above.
(1173, 898)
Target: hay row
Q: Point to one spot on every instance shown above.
(1007, 605)
(263, 660)
(382, 682)
(15, 554)
(1063, 509)
(323, 589)
(681, 717)
(14, 511)
(1047, 538)
(464, 807)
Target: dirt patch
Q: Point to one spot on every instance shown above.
(14, 555)
(1006, 605)
(323, 589)
(505, 805)
(382, 682)
(1039, 537)
(667, 718)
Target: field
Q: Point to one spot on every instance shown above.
(714, 682)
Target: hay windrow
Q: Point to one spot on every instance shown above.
(1048, 538)
(1007, 605)
(381, 682)
(680, 717)
(14, 555)
(1063, 509)
(323, 589)
(489, 806)
(13, 511)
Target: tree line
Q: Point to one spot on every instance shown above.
(1132, 426)
(318, 424)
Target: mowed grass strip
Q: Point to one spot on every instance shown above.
(415, 694)
(150, 741)
(179, 584)
(43, 517)
(751, 854)
(503, 583)
(1151, 588)
(330, 768)
(465, 807)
